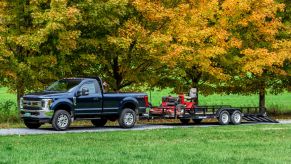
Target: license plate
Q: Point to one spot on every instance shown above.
(27, 114)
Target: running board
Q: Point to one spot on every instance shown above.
(259, 118)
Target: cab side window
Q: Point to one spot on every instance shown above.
(91, 87)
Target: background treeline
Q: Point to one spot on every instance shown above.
(218, 46)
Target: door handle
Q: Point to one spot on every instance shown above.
(96, 99)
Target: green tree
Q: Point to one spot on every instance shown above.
(118, 43)
(36, 37)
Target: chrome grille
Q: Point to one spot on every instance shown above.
(27, 103)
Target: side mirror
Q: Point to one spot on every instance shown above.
(85, 91)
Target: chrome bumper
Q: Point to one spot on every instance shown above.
(37, 115)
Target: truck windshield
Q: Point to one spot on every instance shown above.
(65, 85)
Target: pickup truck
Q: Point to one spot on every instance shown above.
(72, 99)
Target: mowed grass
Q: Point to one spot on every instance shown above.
(280, 103)
(223, 144)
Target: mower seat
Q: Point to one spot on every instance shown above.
(171, 103)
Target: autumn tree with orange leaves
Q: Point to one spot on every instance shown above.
(196, 42)
(230, 46)
(213, 42)
(261, 55)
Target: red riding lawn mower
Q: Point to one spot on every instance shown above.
(169, 104)
(176, 107)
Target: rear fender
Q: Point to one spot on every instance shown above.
(129, 101)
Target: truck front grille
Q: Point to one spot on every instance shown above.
(31, 104)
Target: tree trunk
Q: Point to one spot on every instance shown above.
(262, 99)
(116, 74)
(195, 75)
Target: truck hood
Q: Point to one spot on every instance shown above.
(46, 94)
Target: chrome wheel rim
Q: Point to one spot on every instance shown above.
(236, 117)
(128, 119)
(63, 120)
(224, 118)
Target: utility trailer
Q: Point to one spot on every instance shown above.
(178, 108)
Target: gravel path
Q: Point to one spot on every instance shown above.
(25, 131)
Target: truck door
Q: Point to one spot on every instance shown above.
(89, 103)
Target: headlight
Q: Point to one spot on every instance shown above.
(21, 103)
(46, 103)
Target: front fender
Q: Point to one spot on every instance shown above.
(61, 102)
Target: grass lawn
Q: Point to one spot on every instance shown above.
(223, 144)
(5, 95)
(275, 103)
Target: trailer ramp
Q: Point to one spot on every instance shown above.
(258, 118)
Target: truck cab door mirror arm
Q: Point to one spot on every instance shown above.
(83, 92)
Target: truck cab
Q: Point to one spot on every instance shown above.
(71, 99)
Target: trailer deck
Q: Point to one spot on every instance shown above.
(178, 108)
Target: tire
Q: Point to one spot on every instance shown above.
(197, 121)
(185, 121)
(99, 123)
(179, 109)
(236, 117)
(32, 125)
(61, 120)
(127, 118)
(224, 118)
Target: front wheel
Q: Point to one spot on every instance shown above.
(61, 120)
(32, 125)
(127, 118)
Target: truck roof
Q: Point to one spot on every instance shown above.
(78, 78)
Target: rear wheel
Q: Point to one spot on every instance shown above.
(185, 121)
(32, 125)
(61, 120)
(236, 117)
(127, 118)
(224, 118)
(99, 123)
(197, 121)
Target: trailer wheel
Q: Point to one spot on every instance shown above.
(185, 121)
(99, 123)
(235, 117)
(197, 121)
(127, 118)
(223, 118)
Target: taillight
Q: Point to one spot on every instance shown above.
(146, 100)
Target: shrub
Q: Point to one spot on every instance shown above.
(9, 112)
